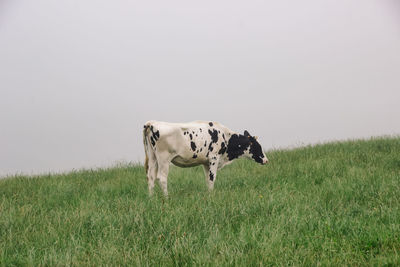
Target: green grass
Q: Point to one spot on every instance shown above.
(332, 204)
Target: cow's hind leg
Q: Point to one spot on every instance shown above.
(151, 175)
(151, 169)
(162, 173)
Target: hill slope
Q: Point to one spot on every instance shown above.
(333, 204)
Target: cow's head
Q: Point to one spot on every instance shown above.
(255, 150)
(247, 146)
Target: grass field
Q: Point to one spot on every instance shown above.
(332, 204)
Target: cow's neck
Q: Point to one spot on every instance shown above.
(224, 159)
(237, 146)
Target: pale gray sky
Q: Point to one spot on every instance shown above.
(79, 78)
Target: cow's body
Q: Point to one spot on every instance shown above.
(196, 143)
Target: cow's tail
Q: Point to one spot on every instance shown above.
(146, 128)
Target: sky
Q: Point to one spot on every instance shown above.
(78, 79)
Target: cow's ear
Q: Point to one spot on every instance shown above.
(246, 133)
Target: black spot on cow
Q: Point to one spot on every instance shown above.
(201, 149)
(196, 135)
(223, 136)
(152, 141)
(205, 143)
(210, 147)
(211, 176)
(237, 145)
(193, 145)
(207, 154)
(214, 135)
(223, 148)
(211, 124)
(194, 156)
(192, 132)
(154, 134)
(191, 136)
(201, 130)
(184, 133)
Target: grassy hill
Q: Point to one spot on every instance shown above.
(332, 204)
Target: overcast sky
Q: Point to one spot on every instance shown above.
(78, 79)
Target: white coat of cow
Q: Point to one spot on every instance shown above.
(195, 143)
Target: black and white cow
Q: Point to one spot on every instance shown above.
(196, 143)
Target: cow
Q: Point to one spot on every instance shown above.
(195, 143)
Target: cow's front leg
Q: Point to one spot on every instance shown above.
(212, 172)
(206, 168)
